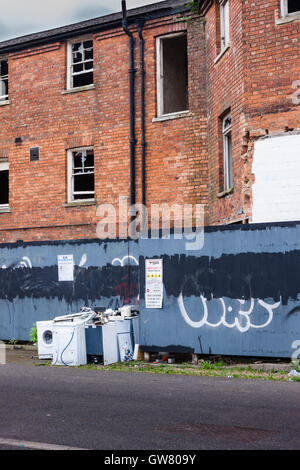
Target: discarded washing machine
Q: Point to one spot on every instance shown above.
(69, 339)
(45, 339)
(69, 346)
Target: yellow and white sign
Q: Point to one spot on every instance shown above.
(154, 283)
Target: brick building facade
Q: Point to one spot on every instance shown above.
(231, 76)
(255, 78)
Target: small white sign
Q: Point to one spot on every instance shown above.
(65, 268)
(154, 283)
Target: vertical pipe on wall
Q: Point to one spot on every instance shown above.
(140, 24)
(132, 107)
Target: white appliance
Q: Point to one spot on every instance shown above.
(69, 344)
(69, 340)
(117, 341)
(45, 339)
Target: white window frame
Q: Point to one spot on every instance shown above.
(4, 166)
(70, 73)
(160, 73)
(71, 198)
(224, 24)
(228, 173)
(285, 9)
(3, 77)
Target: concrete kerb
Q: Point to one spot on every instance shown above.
(24, 347)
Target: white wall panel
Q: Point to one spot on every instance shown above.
(276, 190)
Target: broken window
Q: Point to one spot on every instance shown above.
(81, 174)
(293, 6)
(81, 63)
(3, 79)
(227, 152)
(4, 184)
(224, 23)
(172, 74)
(290, 6)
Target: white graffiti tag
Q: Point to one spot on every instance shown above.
(128, 259)
(24, 263)
(242, 326)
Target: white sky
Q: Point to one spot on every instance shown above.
(20, 17)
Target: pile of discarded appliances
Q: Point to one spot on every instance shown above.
(90, 335)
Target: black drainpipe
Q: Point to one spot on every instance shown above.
(140, 24)
(132, 107)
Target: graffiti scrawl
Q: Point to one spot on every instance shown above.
(242, 326)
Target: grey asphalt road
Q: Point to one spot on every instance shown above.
(46, 407)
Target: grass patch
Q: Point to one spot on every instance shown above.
(204, 369)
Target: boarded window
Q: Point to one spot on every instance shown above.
(172, 69)
(276, 168)
(4, 184)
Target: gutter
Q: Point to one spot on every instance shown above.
(140, 25)
(96, 25)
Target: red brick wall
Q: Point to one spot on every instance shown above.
(272, 61)
(39, 113)
(272, 65)
(225, 92)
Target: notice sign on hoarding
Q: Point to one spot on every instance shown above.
(154, 283)
(65, 268)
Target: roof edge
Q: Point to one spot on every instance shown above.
(152, 11)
